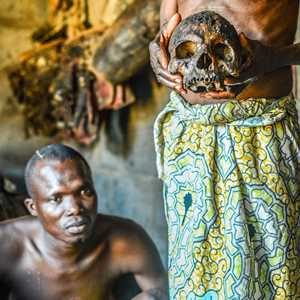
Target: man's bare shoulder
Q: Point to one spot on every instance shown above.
(123, 234)
(131, 249)
(20, 224)
(13, 233)
(17, 230)
(116, 227)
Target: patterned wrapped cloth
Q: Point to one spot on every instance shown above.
(232, 198)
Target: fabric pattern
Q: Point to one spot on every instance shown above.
(232, 198)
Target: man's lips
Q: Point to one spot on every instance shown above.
(77, 225)
(77, 229)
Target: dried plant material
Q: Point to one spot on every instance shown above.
(78, 68)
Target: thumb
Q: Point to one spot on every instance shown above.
(171, 25)
(164, 57)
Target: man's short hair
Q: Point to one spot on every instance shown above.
(52, 152)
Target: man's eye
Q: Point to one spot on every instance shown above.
(55, 199)
(86, 192)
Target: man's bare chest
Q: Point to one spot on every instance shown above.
(44, 281)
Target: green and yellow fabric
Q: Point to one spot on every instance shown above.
(232, 198)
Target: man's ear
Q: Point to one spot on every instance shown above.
(30, 205)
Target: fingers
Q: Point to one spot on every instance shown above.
(218, 95)
(176, 78)
(172, 81)
(171, 84)
(159, 63)
(157, 55)
(166, 82)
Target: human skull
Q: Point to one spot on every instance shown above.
(205, 49)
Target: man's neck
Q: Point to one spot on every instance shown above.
(60, 253)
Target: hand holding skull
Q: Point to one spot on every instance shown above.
(260, 59)
(159, 56)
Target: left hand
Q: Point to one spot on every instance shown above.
(260, 59)
(159, 56)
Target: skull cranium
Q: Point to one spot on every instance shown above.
(205, 49)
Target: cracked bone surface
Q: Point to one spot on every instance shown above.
(205, 49)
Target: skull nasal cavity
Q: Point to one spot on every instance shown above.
(204, 61)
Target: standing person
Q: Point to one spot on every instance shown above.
(230, 163)
(65, 250)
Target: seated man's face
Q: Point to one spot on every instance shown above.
(64, 199)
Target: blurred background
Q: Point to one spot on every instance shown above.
(122, 156)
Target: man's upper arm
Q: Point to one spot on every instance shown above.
(137, 254)
(9, 247)
(167, 9)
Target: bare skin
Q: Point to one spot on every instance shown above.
(267, 30)
(67, 251)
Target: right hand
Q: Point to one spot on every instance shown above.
(159, 57)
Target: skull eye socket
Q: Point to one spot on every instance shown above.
(186, 50)
(223, 52)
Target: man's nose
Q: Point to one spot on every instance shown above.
(73, 206)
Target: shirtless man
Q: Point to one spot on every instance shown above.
(65, 250)
(230, 163)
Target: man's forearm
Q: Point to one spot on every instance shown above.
(287, 56)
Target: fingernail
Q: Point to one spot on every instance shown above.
(178, 80)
